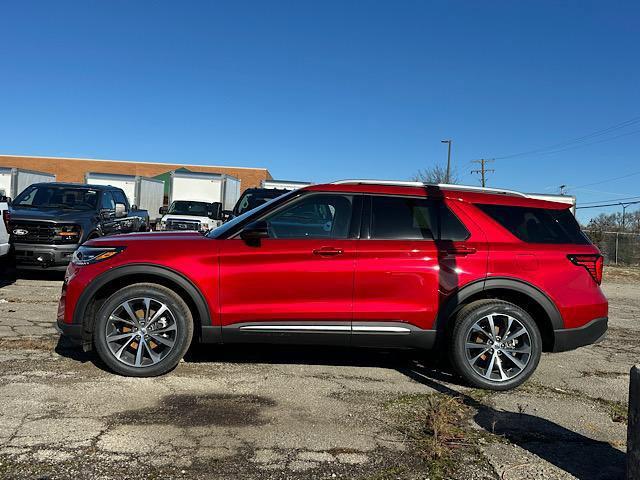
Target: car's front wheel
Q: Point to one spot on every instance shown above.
(143, 330)
(495, 345)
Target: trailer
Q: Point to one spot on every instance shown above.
(14, 180)
(284, 184)
(204, 187)
(143, 192)
(568, 199)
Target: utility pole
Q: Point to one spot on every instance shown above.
(482, 170)
(448, 177)
(624, 212)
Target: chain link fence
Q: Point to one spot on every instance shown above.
(618, 248)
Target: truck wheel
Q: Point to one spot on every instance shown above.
(495, 345)
(143, 330)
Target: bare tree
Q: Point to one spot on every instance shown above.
(435, 174)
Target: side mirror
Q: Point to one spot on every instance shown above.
(121, 210)
(6, 200)
(255, 231)
(163, 210)
(134, 207)
(215, 212)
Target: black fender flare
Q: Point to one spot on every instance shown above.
(140, 269)
(459, 298)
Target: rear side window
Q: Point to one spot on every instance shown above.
(537, 225)
(405, 218)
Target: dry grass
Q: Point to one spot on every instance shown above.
(621, 274)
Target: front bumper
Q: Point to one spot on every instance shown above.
(37, 256)
(572, 338)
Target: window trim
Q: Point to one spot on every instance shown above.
(354, 228)
(367, 219)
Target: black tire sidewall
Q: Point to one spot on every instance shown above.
(181, 314)
(461, 329)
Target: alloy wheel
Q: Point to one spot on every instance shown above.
(140, 332)
(498, 347)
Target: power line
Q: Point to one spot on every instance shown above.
(482, 171)
(611, 200)
(578, 141)
(617, 204)
(608, 180)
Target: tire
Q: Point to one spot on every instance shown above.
(141, 352)
(498, 365)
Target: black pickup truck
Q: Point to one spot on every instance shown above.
(50, 220)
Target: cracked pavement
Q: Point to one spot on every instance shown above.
(274, 412)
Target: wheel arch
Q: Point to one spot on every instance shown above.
(536, 302)
(109, 282)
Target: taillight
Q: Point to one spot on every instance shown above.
(592, 262)
(6, 216)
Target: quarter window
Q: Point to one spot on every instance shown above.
(313, 216)
(406, 218)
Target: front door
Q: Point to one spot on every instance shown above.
(299, 281)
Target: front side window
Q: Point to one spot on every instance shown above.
(313, 216)
(119, 197)
(107, 201)
(406, 218)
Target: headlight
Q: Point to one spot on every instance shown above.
(89, 255)
(67, 233)
(161, 225)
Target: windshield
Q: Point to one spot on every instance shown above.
(51, 196)
(251, 200)
(183, 207)
(225, 227)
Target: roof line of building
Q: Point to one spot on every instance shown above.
(130, 161)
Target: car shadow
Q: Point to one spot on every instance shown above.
(572, 452)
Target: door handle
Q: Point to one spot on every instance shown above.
(459, 251)
(328, 251)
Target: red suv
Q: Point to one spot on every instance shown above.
(495, 276)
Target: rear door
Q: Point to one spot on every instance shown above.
(414, 252)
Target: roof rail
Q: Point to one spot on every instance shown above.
(446, 186)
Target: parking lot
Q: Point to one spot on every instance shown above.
(276, 412)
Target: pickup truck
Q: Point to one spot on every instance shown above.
(4, 225)
(50, 220)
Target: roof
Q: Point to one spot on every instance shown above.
(469, 193)
(78, 185)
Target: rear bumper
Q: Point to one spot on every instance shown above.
(572, 338)
(38, 257)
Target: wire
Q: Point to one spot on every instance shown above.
(608, 180)
(571, 143)
(610, 205)
(612, 200)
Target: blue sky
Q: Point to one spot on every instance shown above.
(326, 90)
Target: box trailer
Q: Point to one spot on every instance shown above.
(146, 193)
(284, 184)
(14, 180)
(568, 199)
(204, 187)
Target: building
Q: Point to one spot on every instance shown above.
(75, 169)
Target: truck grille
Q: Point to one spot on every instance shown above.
(37, 233)
(177, 224)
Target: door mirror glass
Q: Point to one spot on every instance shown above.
(163, 210)
(255, 231)
(134, 207)
(121, 210)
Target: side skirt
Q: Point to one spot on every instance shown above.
(362, 334)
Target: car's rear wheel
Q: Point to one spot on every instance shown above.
(143, 330)
(495, 345)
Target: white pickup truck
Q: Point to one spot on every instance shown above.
(4, 225)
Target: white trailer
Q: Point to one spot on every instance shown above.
(204, 187)
(568, 199)
(284, 184)
(143, 192)
(14, 180)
